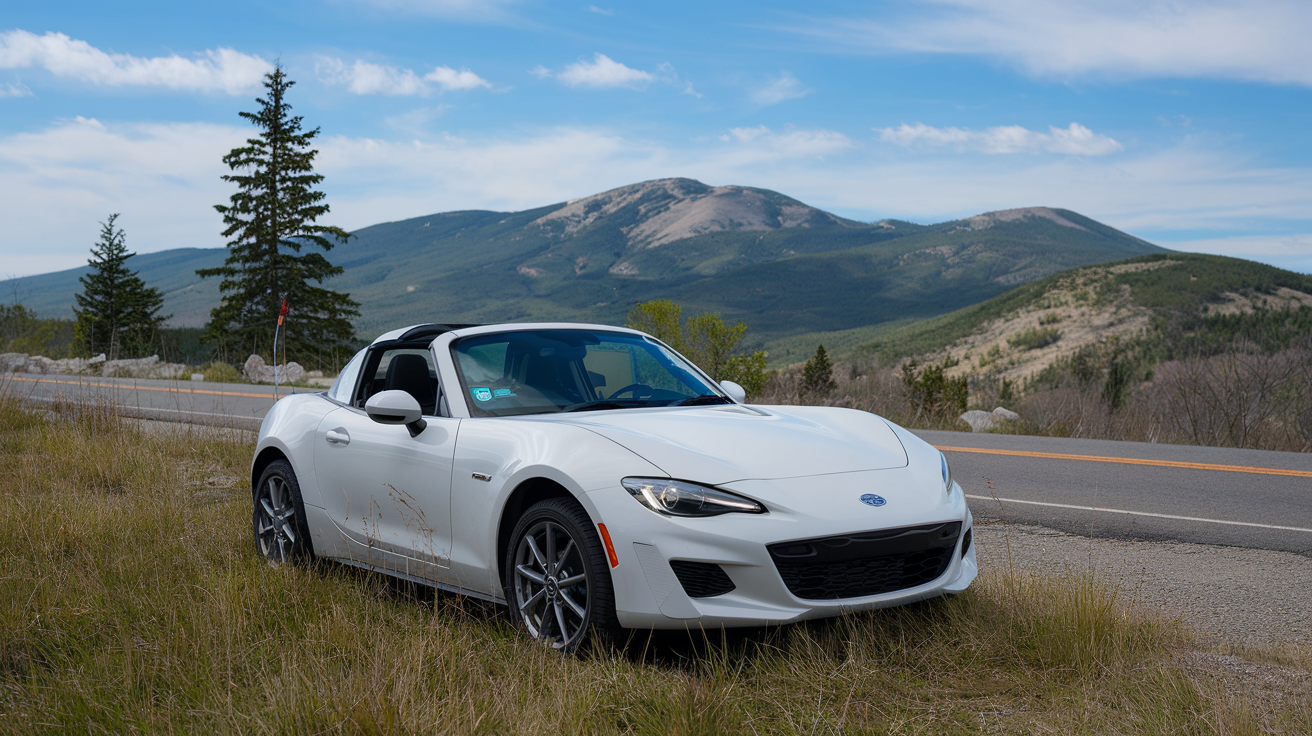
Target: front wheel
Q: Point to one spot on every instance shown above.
(281, 532)
(557, 581)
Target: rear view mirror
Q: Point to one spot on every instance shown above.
(396, 407)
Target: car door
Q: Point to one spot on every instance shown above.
(389, 493)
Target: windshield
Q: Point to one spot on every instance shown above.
(545, 371)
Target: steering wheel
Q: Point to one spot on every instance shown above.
(636, 389)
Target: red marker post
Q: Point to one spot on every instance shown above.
(281, 313)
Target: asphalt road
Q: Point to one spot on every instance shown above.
(1204, 495)
(1123, 490)
(195, 402)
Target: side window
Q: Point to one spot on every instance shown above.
(409, 369)
(345, 383)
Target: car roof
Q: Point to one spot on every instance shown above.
(431, 330)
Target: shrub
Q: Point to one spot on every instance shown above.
(220, 372)
(1034, 338)
(932, 392)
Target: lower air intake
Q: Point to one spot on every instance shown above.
(865, 563)
(701, 579)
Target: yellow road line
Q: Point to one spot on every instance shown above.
(1135, 461)
(127, 387)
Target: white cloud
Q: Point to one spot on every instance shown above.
(602, 72)
(15, 89)
(786, 87)
(1254, 40)
(600, 11)
(450, 79)
(1293, 252)
(60, 182)
(1075, 140)
(815, 143)
(214, 70)
(365, 78)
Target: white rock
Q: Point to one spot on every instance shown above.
(13, 362)
(96, 360)
(257, 371)
(1005, 414)
(978, 420)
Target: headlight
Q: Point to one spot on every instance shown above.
(681, 498)
(947, 473)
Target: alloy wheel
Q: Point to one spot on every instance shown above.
(275, 520)
(551, 585)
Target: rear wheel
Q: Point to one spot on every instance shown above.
(557, 581)
(281, 533)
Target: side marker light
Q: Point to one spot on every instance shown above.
(610, 548)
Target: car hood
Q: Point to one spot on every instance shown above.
(722, 444)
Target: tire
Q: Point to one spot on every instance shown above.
(282, 535)
(576, 597)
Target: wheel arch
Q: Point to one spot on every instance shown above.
(527, 493)
(263, 459)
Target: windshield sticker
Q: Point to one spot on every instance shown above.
(481, 394)
(502, 393)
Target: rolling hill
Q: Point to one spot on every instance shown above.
(1177, 299)
(783, 267)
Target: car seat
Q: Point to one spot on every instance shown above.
(409, 373)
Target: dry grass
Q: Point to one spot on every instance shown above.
(131, 601)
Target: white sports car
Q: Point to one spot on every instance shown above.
(593, 479)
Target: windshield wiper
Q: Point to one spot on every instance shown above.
(606, 404)
(703, 400)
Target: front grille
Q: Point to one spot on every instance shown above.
(701, 579)
(865, 563)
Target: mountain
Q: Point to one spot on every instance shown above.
(780, 265)
(1178, 299)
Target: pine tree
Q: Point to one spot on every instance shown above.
(269, 220)
(117, 314)
(818, 375)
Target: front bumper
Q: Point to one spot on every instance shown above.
(648, 593)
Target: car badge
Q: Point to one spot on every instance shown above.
(871, 499)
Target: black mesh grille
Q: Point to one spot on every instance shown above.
(701, 579)
(865, 563)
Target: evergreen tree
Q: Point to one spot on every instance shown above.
(269, 220)
(818, 375)
(117, 314)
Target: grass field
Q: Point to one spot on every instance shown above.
(131, 601)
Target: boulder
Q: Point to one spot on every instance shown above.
(70, 365)
(130, 367)
(13, 362)
(983, 421)
(979, 421)
(257, 371)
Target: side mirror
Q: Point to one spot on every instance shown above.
(396, 407)
(736, 392)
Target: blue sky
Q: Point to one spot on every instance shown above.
(1184, 123)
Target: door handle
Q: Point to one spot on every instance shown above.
(337, 437)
